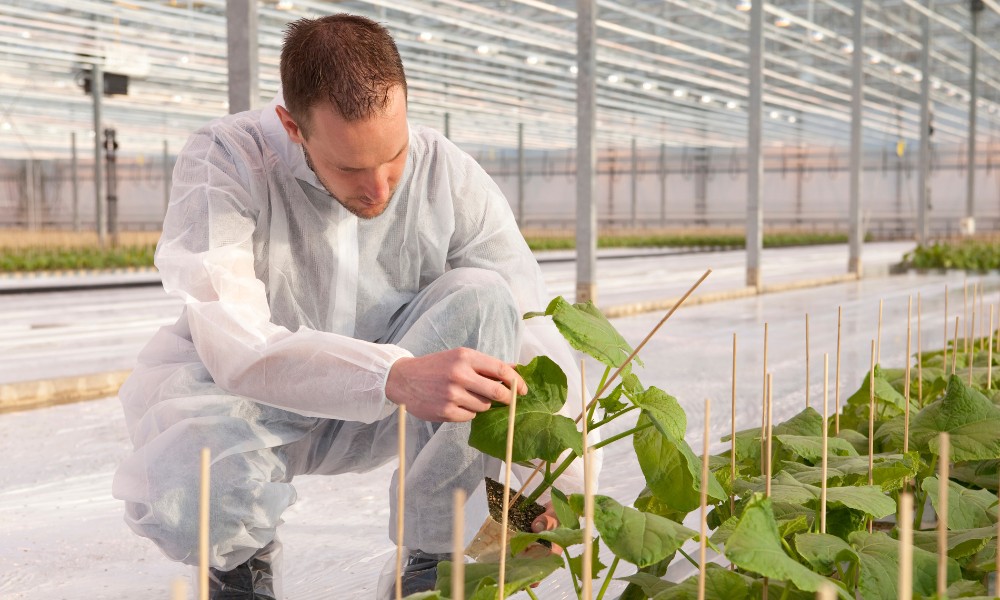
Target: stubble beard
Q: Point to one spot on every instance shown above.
(363, 199)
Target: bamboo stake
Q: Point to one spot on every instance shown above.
(965, 316)
(770, 429)
(836, 405)
(826, 434)
(203, 509)
(600, 392)
(905, 546)
(588, 500)
(971, 356)
(954, 352)
(732, 449)
(400, 498)
(944, 362)
(506, 490)
(704, 504)
(989, 355)
(996, 577)
(878, 335)
(906, 386)
(826, 592)
(763, 400)
(920, 356)
(178, 591)
(944, 458)
(871, 423)
(458, 546)
(982, 317)
(807, 360)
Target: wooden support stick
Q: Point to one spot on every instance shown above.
(944, 361)
(458, 546)
(826, 434)
(506, 490)
(878, 335)
(588, 501)
(971, 356)
(989, 357)
(770, 429)
(826, 592)
(807, 360)
(614, 376)
(871, 425)
(905, 585)
(954, 351)
(400, 497)
(836, 384)
(965, 316)
(920, 356)
(702, 558)
(906, 385)
(732, 449)
(996, 577)
(203, 510)
(178, 590)
(944, 459)
(763, 403)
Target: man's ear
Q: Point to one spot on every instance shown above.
(291, 127)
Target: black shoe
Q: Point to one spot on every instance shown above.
(420, 572)
(252, 580)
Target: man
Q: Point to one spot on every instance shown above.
(335, 263)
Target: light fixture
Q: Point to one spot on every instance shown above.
(847, 48)
(26, 35)
(875, 59)
(936, 84)
(482, 49)
(774, 114)
(918, 77)
(177, 98)
(782, 22)
(898, 69)
(425, 36)
(817, 36)
(614, 78)
(706, 99)
(284, 5)
(680, 93)
(532, 60)
(951, 91)
(5, 126)
(732, 105)
(573, 69)
(793, 119)
(184, 59)
(648, 86)
(744, 5)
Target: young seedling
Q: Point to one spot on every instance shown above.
(458, 546)
(203, 508)
(400, 498)
(905, 546)
(944, 457)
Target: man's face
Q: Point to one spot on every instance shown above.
(361, 162)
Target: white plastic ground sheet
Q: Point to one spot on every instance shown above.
(63, 536)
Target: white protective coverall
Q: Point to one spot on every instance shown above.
(295, 310)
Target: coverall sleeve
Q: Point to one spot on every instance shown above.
(487, 237)
(206, 257)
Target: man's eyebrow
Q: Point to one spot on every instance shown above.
(401, 150)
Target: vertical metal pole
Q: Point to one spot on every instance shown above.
(97, 91)
(923, 184)
(520, 174)
(855, 235)
(447, 125)
(755, 164)
(75, 182)
(635, 185)
(30, 211)
(241, 46)
(586, 151)
(663, 184)
(167, 176)
(970, 184)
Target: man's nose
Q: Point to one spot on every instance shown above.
(377, 187)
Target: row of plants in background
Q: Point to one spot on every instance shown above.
(693, 240)
(771, 530)
(54, 259)
(971, 255)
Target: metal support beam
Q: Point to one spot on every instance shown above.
(923, 178)
(755, 164)
(855, 235)
(97, 91)
(447, 125)
(635, 185)
(243, 58)
(586, 151)
(75, 181)
(520, 174)
(663, 183)
(970, 185)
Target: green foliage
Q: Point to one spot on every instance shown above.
(735, 241)
(481, 579)
(970, 255)
(967, 508)
(970, 417)
(587, 329)
(879, 559)
(59, 259)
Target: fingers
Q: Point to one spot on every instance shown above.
(498, 378)
(545, 521)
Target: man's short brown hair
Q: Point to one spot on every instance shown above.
(348, 60)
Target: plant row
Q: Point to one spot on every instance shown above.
(771, 240)
(770, 534)
(55, 259)
(971, 255)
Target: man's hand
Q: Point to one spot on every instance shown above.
(452, 385)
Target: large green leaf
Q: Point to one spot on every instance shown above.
(879, 557)
(889, 470)
(587, 329)
(720, 584)
(636, 537)
(596, 566)
(972, 420)
(647, 584)
(538, 433)
(810, 447)
(563, 537)
(980, 473)
(888, 403)
(962, 543)
(665, 409)
(808, 423)
(967, 508)
(868, 499)
(824, 552)
(564, 513)
(756, 546)
(479, 577)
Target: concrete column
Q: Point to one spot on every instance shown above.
(243, 58)
(755, 163)
(923, 183)
(520, 174)
(447, 125)
(663, 184)
(586, 151)
(74, 181)
(97, 91)
(635, 185)
(855, 235)
(970, 184)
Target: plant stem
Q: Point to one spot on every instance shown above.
(607, 420)
(626, 433)
(690, 560)
(531, 593)
(572, 577)
(607, 578)
(604, 378)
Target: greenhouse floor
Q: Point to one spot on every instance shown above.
(63, 532)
